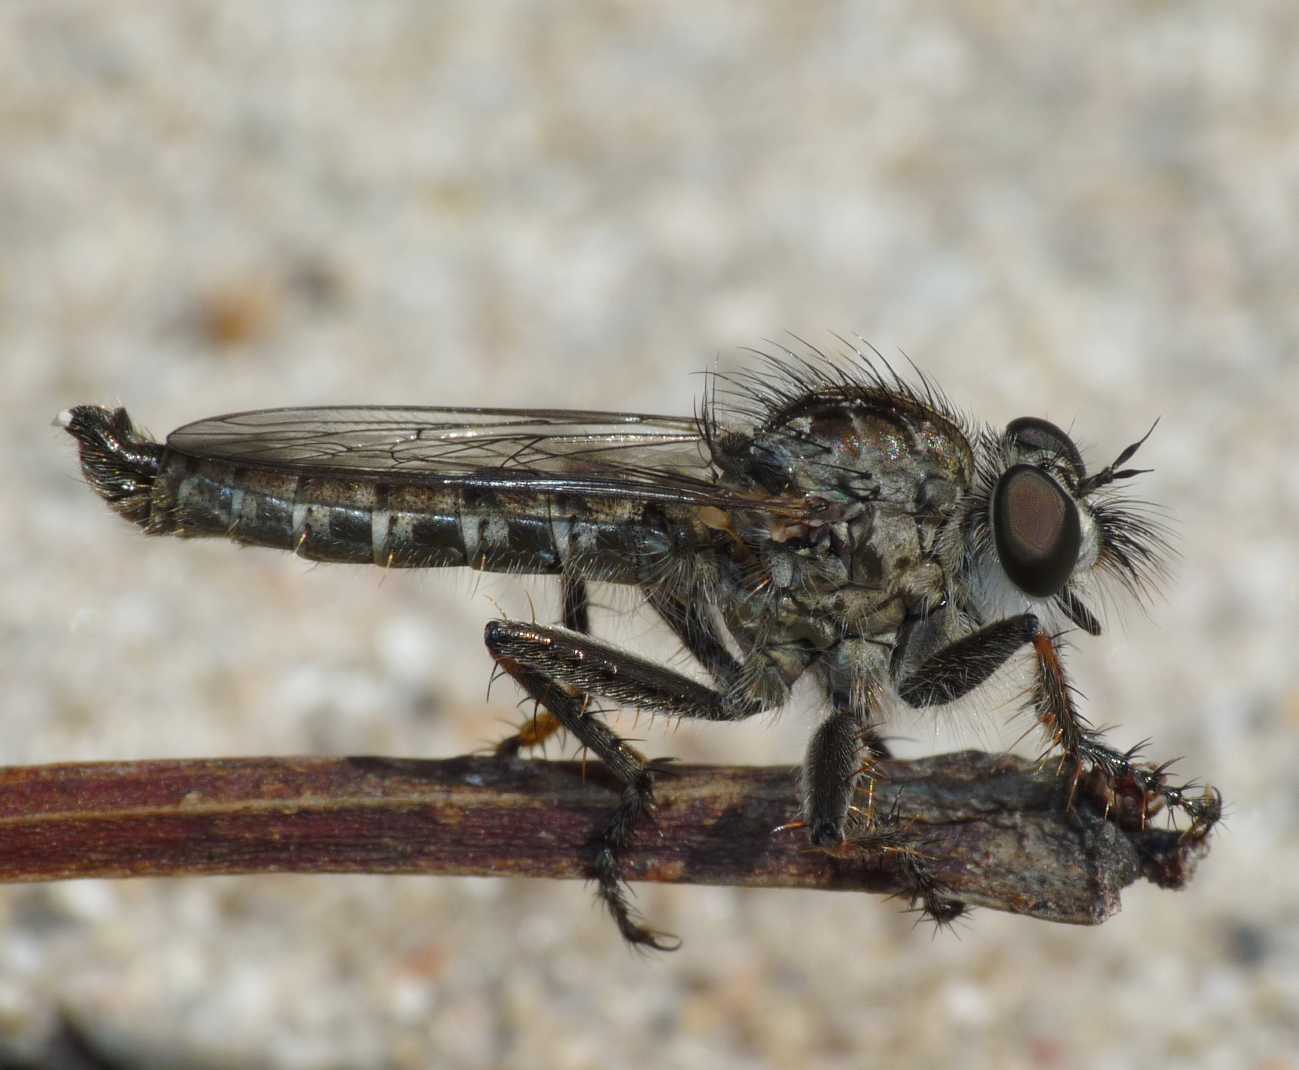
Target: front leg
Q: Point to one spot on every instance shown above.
(1124, 779)
(929, 673)
(926, 678)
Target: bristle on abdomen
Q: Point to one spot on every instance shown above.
(119, 462)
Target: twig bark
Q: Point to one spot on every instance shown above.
(993, 829)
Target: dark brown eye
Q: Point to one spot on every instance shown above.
(1035, 525)
(1036, 434)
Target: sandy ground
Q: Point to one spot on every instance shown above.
(207, 207)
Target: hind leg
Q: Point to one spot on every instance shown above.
(542, 725)
(561, 670)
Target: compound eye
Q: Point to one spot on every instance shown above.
(1031, 433)
(1036, 529)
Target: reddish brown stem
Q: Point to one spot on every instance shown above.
(992, 829)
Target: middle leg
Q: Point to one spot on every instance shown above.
(846, 746)
(843, 753)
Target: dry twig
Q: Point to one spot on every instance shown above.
(994, 829)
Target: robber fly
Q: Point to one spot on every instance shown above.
(817, 514)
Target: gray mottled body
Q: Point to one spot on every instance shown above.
(414, 523)
(837, 519)
(832, 586)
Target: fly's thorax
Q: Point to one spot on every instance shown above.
(860, 576)
(863, 445)
(886, 471)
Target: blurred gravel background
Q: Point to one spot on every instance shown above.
(1089, 215)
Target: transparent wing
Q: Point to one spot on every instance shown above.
(442, 441)
(610, 453)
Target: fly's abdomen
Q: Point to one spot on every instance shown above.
(409, 524)
(495, 521)
(318, 518)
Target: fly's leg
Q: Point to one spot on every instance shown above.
(697, 633)
(959, 667)
(838, 758)
(1125, 783)
(835, 764)
(576, 615)
(833, 767)
(575, 605)
(955, 669)
(1052, 699)
(844, 752)
(561, 669)
(637, 799)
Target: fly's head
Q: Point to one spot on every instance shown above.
(1039, 529)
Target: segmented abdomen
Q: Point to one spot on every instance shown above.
(413, 524)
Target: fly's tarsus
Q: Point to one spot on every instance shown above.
(609, 845)
(902, 846)
(1127, 790)
(818, 513)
